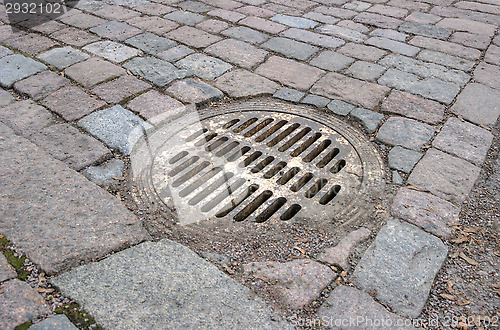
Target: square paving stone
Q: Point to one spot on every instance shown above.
(288, 94)
(26, 117)
(290, 48)
(492, 55)
(297, 75)
(41, 84)
(237, 52)
(150, 43)
(488, 75)
(152, 104)
(444, 175)
(72, 103)
(153, 24)
(194, 91)
(403, 159)
(107, 173)
(160, 73)
(405, 132)
(75, 37)
(369, 119)
(117, 127)
(16, 67)
(69, 145)
(413, 106)
(464, 140)
(83, 21)
(365, 70)
(340, 108)
(479, 104)
(400, 267)
(112, 51)
(245, 34)
(93, 71)
(185, 17)
(242, 83)
(116, 12)
(116, 90)
(212, 26)
(362, 52)
(31, 43)
(115, 30)
(203, 66)
(193, 37)
(63, 57)
(316, 100)
(175, 53)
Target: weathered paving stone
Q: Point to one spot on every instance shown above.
(93, 71)
(396, 178)
(194, 293)
(297, 75)
(115, 30)
(400, 266)
(242, 83)
(479, 104)
(393, 46)
(31, 43)
(117, 127)
(112, 51)
(488, 75)
(194, 91)
(227, 15)
(357, 6)
(195, 6)
(299, 282)
(408, 133)
(426, 211)
(7, 272)
(152, 104)
(69, 145)
(295, 22)
(467, 25)
(446, 60)
(432, 88)
(377, 20)
(354, 26)
(288, 94)
(16, 67)
(41, 84)
(362, 52)
(339, 254)
(150, 43)
(464, 140)
(471, 40)
(246, 34)
(256, 11)
(116, 12)
(153, 24)
(313, 38)
(185, 17)
(388, 10)
(369, 119)
(90, 222)
(492, 55)
(107, 173)
(116, 90)
(318, 101)
(403, 159)
(175, 53)
(63, 57)
(444, 175)
(446, 47)
(290, 48)
(82, 21)
(354, 309)
(59, 322)
(71, 103)
(26, 117)
(203, 66)
(160, 73)
(425, 30)
(193, 37)
(413, 106)
(237, 52)
(5, 98)
(331, 61)
(355, 91)
(4, 51)
(389, 34)
(342, 32)
(212, 26)
(340, 107)
(20, 303)
(365, 70)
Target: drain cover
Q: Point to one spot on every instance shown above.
(257, 161)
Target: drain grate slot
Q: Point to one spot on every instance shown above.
(315, 188)
(196, 184)
(250, 159)
(230, 123)
(253, 205)
(301, 182)
(245, 125)
(291, 212)
(190, 174)
(330, 195)
(294, 139)
(238, 154)
(273, 208)
(183, 166)
(196, 134)
(306, 144)
(205, 139)
(271, 131)
(283, 135)
(328, 158)
(257, 128)
(316, 151)
(263, 164)
(274, 170)
(206, 192)
(227, 149)
(288, 175)
(237, 201)
(338, 167)
(217, 143)
(178, 157)
(223, 195)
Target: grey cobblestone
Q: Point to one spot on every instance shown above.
(295, 22)
(290, 48)
(425, 30)
(242, 83)
(446, 47)
(115, 30)
(403, 159)
(388, 10)
(158, 72)
(150, 43)
(185, 17)
(237, 52)
(467, 25)
(245, 34)
(288, 94)
(16, 67)
(471, 40)
(362, 52)
(392, 45)
(340, 107)
(378, 20)
(365, 70)
(194, 91)
(112, 51)
(484, 110)
(492, 55)
(318, 101)
(332, 61)
(446, 60)
(369, 119)
(389, 34)
(175, 53)
(488, 75)
(63, 57)
(313, 38)
(408, 133)
(204, 66)
(342, 32)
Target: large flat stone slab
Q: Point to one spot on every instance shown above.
(54, 214)
(163, 285)
(400, 265)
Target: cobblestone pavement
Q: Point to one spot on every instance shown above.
(420, 77)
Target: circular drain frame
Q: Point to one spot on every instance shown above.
(258, 161)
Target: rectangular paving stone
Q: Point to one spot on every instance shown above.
(153, 103)
(93, 71)
(340, 108)
(256, 11)
(5, 98)
(26, 117)
(245, 34)
(116, 13)
(119, 89)
(150, 43)
(112, 51)
(464, 140)
(467, 25)
(175, 53)
(58, 321)
(378, 20)
(195, 6)
(185, 17)
(413, 106)
(288, 94)
(115, 30)
(423, 18)
(402, 159)
(408, 133)
(354, 26)
(160, 73)
(83, 223)
(153, 24)
(488, 75)
(325, 19)
(40, 85)
(336, 12)
(331, 61)
(203, 66)
(471, 40)
(400, 266)
(74, 37)
(212, 26)
(362, 52)
(263, 25)
(388, 10)
(16, 67)
(227, 15)
(342, 32)
(69, 145)
(82, 20)
(63, 57)
(316, 100)
(193, 37)
(425, 30)
(71, 103)
(243, 83)
(351, 90)
(194, 293)
(290, 48)
(297, 75)
(393, 46)
(31, 43)
(492, 55)
(154, 9)
(193, 91)
(313, 38)
(365, 70)
(237, 52)
(478, 104)
(446, 60)
(446, 47)
(295, 22)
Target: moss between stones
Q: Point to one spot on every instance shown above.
(16, 262)
(78, 316)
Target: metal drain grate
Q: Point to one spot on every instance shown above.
(257, 165)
